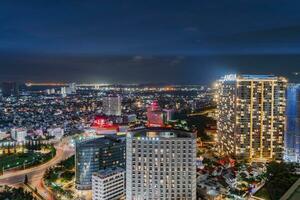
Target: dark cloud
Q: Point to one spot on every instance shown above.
(147, 41)
(138, 69)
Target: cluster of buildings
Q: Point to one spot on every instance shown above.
(39, 106)
(157, 117)
(20, 137)
(71, 89)
(97, 154)
(224, 180)
(154, 162)
(159, 163)
(258, 120)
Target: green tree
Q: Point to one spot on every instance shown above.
(9, 193)
(280, 178)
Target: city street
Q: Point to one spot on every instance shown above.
(35, 174)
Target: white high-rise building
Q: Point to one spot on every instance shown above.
(251, 116)
(72, 88)
(63, 91)
(57, 132)
(108, 184)
(3, 134)
(160, 164)
(112, 105)
(19, 134)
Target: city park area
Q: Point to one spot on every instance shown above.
(25, 156)
(61, 179)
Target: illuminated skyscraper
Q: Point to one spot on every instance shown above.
(160, 164)
(155, 115)
(292, 136)
(97, 154)
(251, 121)
(112, 105)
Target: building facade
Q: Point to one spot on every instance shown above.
(96, 154)
(112, 105)
(108, 184)
(19, 134)
(160, 164)
(292, 135)
(251, 116)
(157, 117)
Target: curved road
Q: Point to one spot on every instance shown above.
(35, 174)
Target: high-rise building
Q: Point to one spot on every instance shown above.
(160, 164)
(63, 91)
(72, 88)
(251, 116)
(112, 105)
(96, 154)
(292, 135)
(3, 134)
(108, 184)
(19, 134)
(155, 115)
(56, 132)
(10, 89)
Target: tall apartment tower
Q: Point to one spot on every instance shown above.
(251, 116)
(160, 164)
(292, 135)
(112, 105)
(97, 154)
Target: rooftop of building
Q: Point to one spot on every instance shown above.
(112, 96)
(256, 76)
(105, 173)
(158, 132)
(100, 141)
(261, 77)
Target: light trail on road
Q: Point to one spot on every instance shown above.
(35, 174)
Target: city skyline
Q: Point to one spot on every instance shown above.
(169, 133)
(170, 100)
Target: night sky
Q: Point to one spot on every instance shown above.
(143, 41)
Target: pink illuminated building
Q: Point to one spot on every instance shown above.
(155, 115)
